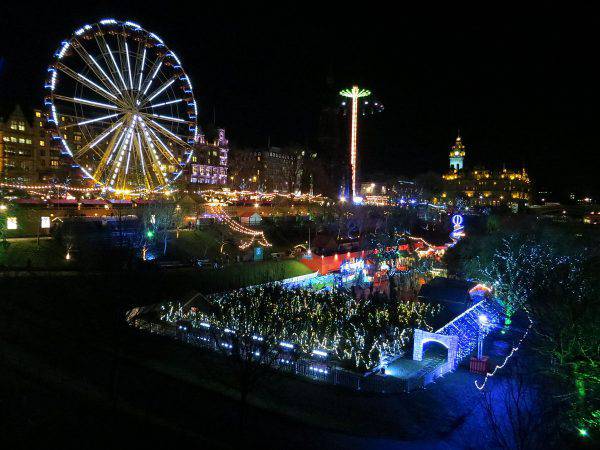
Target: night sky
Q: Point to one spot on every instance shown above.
(521, 88)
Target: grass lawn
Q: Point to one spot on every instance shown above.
(25, 253)
(198, 244)
(234, 276)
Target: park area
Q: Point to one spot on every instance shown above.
(153, 387)
(27, 253)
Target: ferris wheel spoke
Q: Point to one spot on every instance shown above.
(85, 122)
(118, 161)
(167, 118)
(100, 138)
(87, 82)
(152, 73)
(115, 65)
(162, 130)
(151, 150)
(166, 152)
(108, 153)
(110, 60)
(84, 101)
(158, 105)
(96, 68)
(161, 89)
(139, 156)
(141, 76)
(128, 65)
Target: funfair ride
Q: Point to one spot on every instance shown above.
(126, 101)
(355, 94)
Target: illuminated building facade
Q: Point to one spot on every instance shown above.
(376, 194)
(209, 162)
(481, 186)
(391, 192)
(27, 154)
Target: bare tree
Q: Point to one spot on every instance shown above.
(159, 219)
(518, 416)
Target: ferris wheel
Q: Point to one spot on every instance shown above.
(122, 107)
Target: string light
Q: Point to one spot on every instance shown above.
(512, 352)
(255, 236)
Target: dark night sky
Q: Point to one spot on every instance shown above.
(522, 88)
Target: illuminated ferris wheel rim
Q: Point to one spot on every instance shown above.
(126, 89)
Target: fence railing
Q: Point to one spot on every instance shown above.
(318, 370)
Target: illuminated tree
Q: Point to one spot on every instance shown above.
(519, 267)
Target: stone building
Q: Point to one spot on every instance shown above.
(27, 154)
(277, 169)
(481, 186)
(209, 162)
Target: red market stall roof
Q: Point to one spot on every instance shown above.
(29, 201)
(63, 201)
(118, 202)
(248, 214)
(92, 201)
(141, 201)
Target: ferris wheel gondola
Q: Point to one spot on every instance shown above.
(122, 107)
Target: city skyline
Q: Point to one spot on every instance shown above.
(432, 77)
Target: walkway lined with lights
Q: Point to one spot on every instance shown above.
(234, 225)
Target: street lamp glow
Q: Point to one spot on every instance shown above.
(355, 93)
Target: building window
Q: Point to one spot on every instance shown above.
(42, 143)
(54, 163)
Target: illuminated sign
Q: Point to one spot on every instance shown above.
(45, 222)
(457, 221)
(11, 223)
(459, 230)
